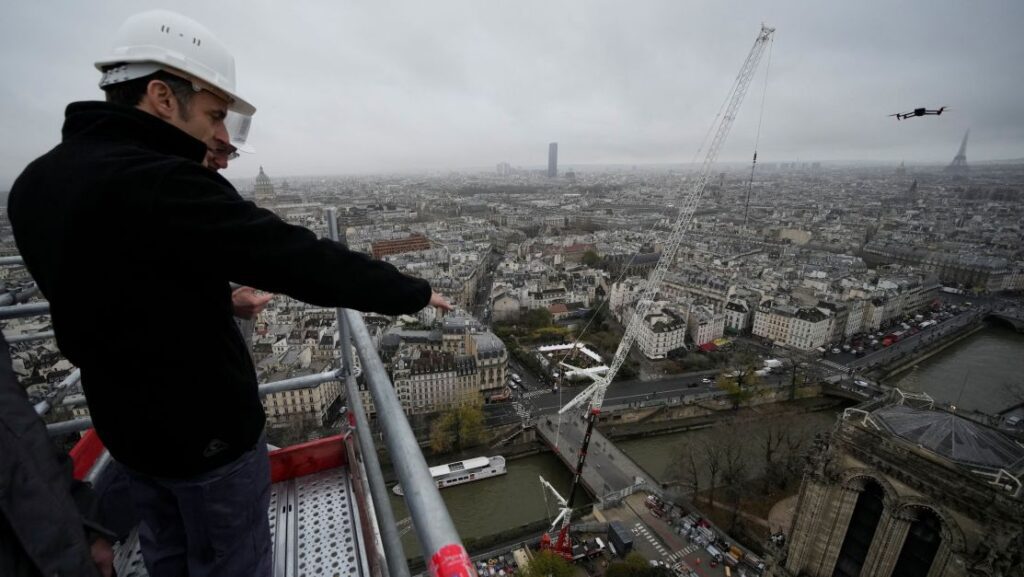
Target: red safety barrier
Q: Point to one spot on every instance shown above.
(85, 452)
(287, 463)
(307, 458)
(451, 561)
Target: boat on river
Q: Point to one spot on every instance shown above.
(461, 472)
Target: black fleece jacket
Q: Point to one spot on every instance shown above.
(134, 243)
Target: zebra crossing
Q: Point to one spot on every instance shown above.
(532, 394)
(523, 412)
(683, 552)
(832, 364)
(640, 529)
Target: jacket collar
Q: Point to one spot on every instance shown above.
(106, 121)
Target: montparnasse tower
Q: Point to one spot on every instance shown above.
(264, 191)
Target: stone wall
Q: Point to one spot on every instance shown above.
(981, 525)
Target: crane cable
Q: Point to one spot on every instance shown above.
(757, 137)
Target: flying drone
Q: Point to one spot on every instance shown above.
(919, 112)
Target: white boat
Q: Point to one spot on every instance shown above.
(464, 472)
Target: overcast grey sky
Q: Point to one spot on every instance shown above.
(364, 86)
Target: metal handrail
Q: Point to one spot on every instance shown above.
(303, 382)
(72, 426)
(11, 260)
(24, 310)
(442, 546)
(385, 516)
(19, 295)
(44, 406)
(43, 335)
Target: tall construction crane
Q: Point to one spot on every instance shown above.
(596, 391)
(563, 543)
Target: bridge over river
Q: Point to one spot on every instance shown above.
(1013, 316)
(607, 471)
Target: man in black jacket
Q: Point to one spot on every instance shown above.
(48, 520)
(123, 209)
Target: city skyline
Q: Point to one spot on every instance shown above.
(411, 91)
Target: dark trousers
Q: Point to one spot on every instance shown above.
(214, 524)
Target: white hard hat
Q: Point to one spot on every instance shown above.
(238, 129)
(163, 40)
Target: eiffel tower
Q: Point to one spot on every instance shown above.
(959, 164)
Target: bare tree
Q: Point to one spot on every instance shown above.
(795, 444)
(688, 471)
(713, 463)
(773, 439)
(1016, 391)
(734, 465)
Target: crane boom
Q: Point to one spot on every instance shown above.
(596, 391)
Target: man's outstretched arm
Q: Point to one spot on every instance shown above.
(228, 236)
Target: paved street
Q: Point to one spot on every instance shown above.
(535, 399)
(656, 540)
(539, 400)
(639, 393)
(911, 343)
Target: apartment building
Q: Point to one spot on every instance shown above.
(803, 328)
(738, 316)
(705, 325)
(662, 332)
(428, 381)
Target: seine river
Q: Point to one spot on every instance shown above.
(976, 373)
(500, 503)
(981, 372)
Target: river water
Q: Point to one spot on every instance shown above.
(988, 362)
(980, 372)
(501, 503)
(659, 455)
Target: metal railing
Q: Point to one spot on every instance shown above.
(11, 260)
(24, 310)
(11, 302)
(443, 550)
(442, 546)
(385, 516)
(304, 382)
(40, 336)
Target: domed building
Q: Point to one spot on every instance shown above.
(904, 488)
(264, 190)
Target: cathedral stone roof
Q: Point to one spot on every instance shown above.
(953, 437)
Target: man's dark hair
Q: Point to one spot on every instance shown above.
(130, 93)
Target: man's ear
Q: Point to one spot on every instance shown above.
(160, 100)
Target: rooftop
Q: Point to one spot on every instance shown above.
(953, 437)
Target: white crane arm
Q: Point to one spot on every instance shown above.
(596, 391)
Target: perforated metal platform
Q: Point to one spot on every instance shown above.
(314, 528)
